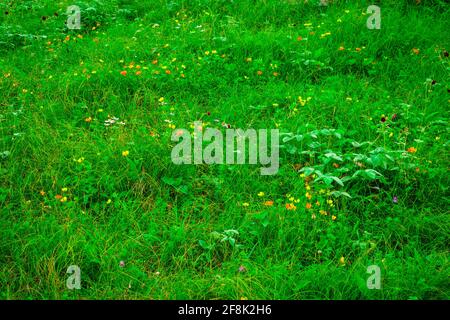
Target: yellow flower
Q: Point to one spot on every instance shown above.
(245, 204)
(330, 202)
(64, 189)
(261, 194)
(109, 201)
(342, 260)
(290, 206)
(333, 217)
(313, 216)
(268, 203)
(308, 195)
(323, 212)
(125, 153)
(308, 187)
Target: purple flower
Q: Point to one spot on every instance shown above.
(395, 199)
(242, 269)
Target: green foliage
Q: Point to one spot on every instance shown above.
(86, 178)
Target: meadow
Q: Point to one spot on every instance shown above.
(87, 179)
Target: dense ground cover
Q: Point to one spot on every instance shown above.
(86, 176)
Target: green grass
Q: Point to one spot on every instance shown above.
(68, 195)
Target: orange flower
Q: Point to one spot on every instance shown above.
(308, 205)
(42, 192)
(155, 61)
(358, 49)
(58, 196)
(88, 119)
(341, 48)
(335, 165)
(299, 38)
(138, 73)
(268, 203)
(290, 206)
(124, 73)
(412, 150)
(415, 50)
(276, 74)
(259, 73)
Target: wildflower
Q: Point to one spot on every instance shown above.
(109, 201)
(412, 150)
(358, 49)
(125, 153)
(415, 50)
(138, 73)
(155, 61)
(276, 74)
(342, 260)
(317, 203)
(268, 203)
(383, 118)
(299, 38)
(308, 195)
(245, 204)
(58, 196)
(335, 165)
(323, 212)
(168, 71)
(122, 264)
(395, 199)
(330, 202)
(290, 206)
(333, 217)
(124, 73)
(261, 194)
(64, 189)
(341, 48)
(242, 269)
(248, 59)
(394, 117)
(63, 199)
(88, 119)
(42, 192)
(308, 205)
(259, 73)
(313, 216)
